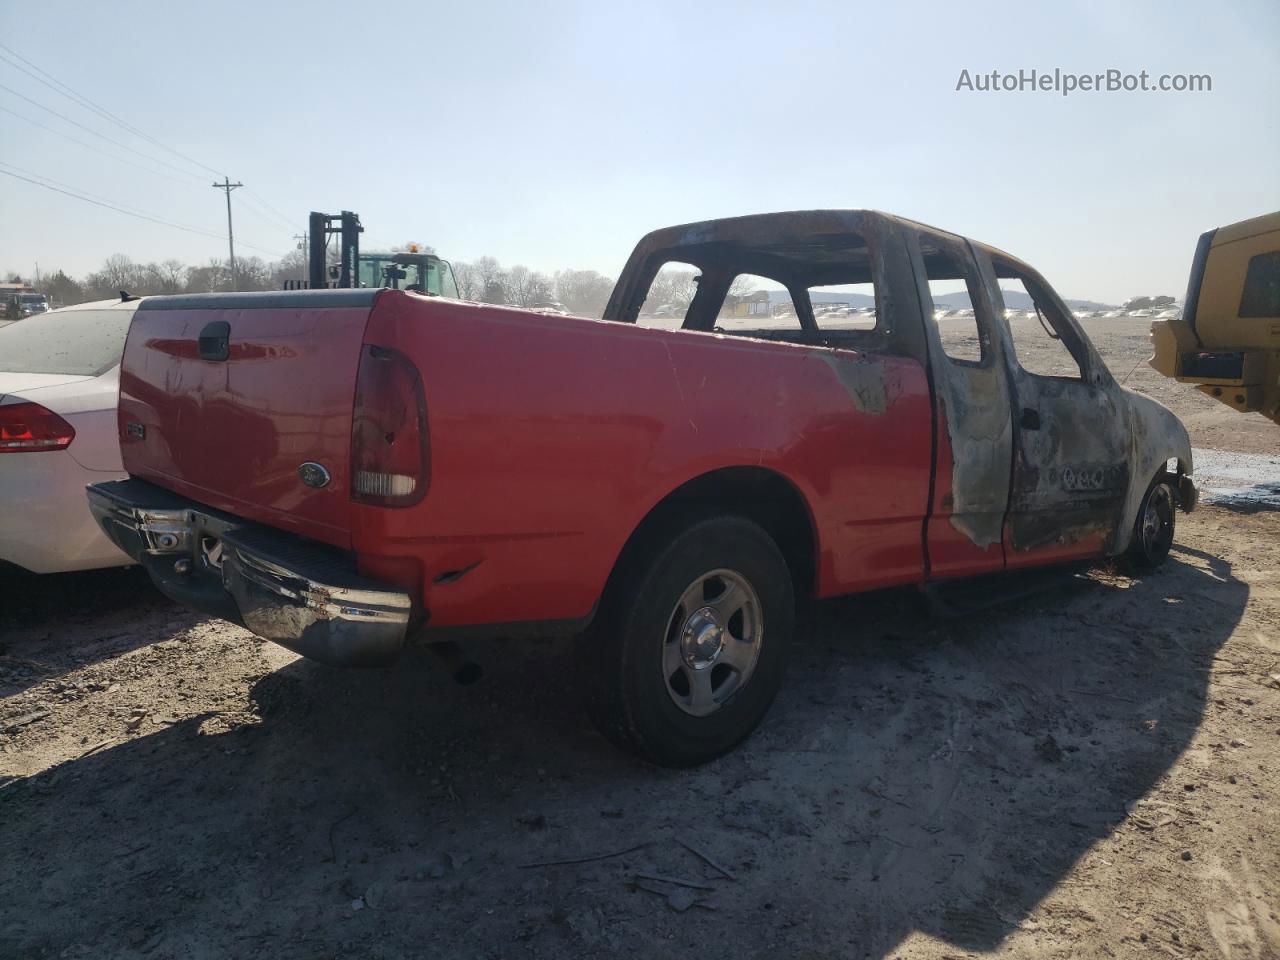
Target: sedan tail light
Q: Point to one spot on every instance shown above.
(390, 456)
(27, 427)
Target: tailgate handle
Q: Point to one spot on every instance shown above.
(215, 340)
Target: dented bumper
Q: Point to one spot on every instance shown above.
(300, 594)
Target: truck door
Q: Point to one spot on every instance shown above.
(1070, 466)
(973, 433)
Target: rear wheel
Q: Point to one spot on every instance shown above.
(1154, 528)
(690, 647)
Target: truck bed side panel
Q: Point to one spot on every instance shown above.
(552, 437)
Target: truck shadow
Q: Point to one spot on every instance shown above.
(915, 775)
(52, 623)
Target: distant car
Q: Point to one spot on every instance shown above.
(550, 306)
(59, 387)
(33, 304)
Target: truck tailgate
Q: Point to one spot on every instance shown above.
(233, 433)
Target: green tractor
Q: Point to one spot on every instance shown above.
(408, 270)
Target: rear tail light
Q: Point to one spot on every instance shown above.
(390, 455)
(27, 427)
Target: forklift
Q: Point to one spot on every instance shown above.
(1227, 341)
(409, 270)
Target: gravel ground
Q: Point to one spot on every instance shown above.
(1086, 771)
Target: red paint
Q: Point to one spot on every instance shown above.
(233, 434)
(552, 437)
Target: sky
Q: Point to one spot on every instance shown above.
(556, 134)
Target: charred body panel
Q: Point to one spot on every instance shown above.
(552, 440)
(972, 411)
(1071, 469)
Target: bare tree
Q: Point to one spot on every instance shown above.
(173, 276)
(61, 289)
(209, 278)
(468, 279)
(252, 273)
(673, 286)
(493, 280)
(583, 291)
(291, 268)
(484, 279)
(539, 289)
(519, 279)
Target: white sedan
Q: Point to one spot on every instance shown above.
(59, 386)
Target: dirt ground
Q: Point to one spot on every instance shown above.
(1088, 771)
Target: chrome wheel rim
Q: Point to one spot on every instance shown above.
(712, 642)
(1157, 521)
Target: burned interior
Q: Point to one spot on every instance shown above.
(782, 250)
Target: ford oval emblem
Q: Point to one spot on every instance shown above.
(314, 474)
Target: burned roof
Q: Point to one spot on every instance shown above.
(810, 236)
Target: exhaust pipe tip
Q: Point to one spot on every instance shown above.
(469, 673)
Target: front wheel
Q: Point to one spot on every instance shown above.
(690, 647)
(1153, 530)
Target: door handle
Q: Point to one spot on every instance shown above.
(1030, 419)
(215, 340)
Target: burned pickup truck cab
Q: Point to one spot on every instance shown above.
(772, 408)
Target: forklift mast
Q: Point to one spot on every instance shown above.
(346, 226)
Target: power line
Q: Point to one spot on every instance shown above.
(101, 136)
(103, 203)
(14, 59)
(67, 91)
(72, 192)
(269, 222)
(261, 214)
(89, 146)
(258, 210)
(9, 55)
(284, 218)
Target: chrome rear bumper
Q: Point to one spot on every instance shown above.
(297, 593)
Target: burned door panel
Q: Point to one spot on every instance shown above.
(1071, 467)
(973, 435)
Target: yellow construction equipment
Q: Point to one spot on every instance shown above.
(1227, 340)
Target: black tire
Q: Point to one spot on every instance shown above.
(629, 694)
(1153, 528)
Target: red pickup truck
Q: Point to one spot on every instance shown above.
(345, 472)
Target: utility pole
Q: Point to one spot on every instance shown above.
(227, 186)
